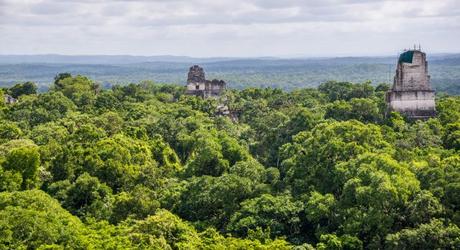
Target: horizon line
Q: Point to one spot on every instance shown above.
(226, 57)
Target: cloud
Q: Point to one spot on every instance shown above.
(2, 8)
(181, 12)
(51, 8)
(225, 27)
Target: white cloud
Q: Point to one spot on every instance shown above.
(227, 27)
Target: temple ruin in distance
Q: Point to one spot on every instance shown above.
(198, 85)
(411, 94)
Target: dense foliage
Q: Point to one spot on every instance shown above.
(144, 166)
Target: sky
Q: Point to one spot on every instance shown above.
(228, 28)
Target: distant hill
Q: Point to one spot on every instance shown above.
(100, 59)
(240, 73)
(127, 59)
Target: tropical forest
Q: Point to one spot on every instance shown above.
(145, 166)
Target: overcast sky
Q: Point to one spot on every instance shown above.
(242, 28)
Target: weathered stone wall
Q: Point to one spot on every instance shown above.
(9, 99)
(199, 86)
(411, 93)
(408, 100)
(196, 75)
(413, 76)
(193, 86)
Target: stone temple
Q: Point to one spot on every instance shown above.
(411, 94)
(198, 85)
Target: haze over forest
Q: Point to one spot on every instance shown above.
(284, 73)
